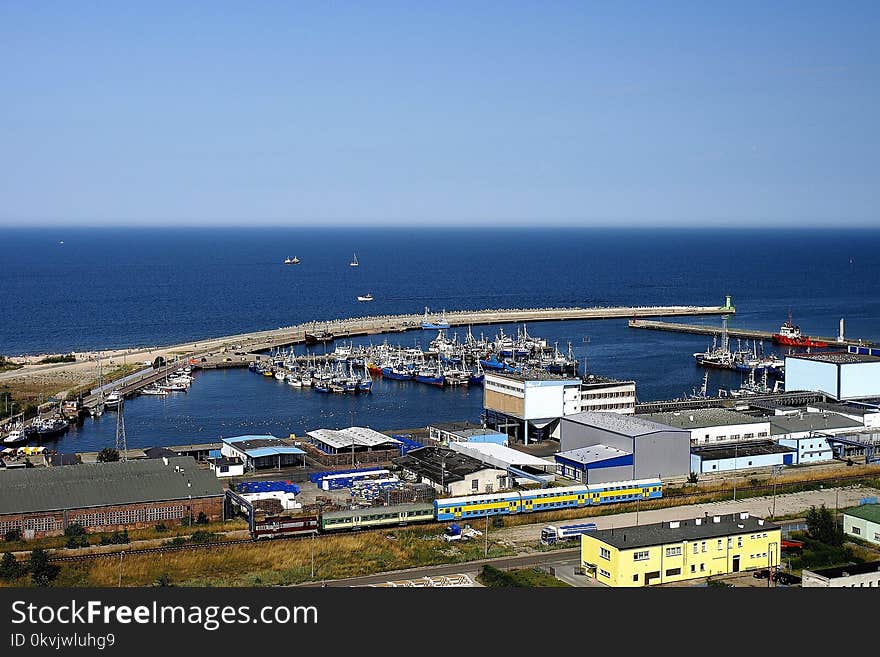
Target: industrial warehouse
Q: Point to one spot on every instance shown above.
(108, 496)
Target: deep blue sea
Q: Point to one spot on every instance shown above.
(111, 288)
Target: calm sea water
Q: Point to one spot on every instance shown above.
(106, 288)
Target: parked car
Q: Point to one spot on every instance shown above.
(783, 577)
(763, 573)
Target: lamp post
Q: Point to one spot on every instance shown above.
(735, 455)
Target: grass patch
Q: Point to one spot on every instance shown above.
(283, 562)
(518, 578)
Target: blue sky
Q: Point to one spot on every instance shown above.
(508, 113)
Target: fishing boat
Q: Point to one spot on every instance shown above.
(51, 429)
(477, 376)
(354, 261)
(431, 375)
(293, 380)
(374, 368)
(398, 372)
(365, 384)
(154, 390)
(366, 297)
(291, 261)
(430, 324)
(790, 336)
(112, 400)
(492, 363)
(174, 387)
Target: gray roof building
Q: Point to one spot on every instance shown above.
(700, 418)
(785, 424)
(838, 357)
(625, 425)
(35, 490)
(697, 529)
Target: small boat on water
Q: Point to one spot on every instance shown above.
(354, 261)
(279, 375)
(154, 390)
(174, 387)
(51, 428)
(14, 438)
(365, 384)
(294, 381)
(291, 261)
(112, 400)
(366, 297)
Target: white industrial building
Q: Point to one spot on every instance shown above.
(857, 575)
(528, 407)
(451, 472)
(706, 459)
(523, 468)
(714, 425)
(841, 375)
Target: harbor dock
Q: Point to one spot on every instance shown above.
(749, 334)
(238, 350)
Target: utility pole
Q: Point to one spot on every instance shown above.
(735, 454)
(312, 545)
(487, 535)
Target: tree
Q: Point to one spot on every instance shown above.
(76, 536)
(13, 535)
(822, 526)
(9, 567)
(43, 573)
(164, 580)
(692, 478)
(108, 455)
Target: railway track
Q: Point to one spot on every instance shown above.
(780, 488)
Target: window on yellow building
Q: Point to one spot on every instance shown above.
(739, 541)
(635, 578)
(695, 548)
(693, 568)
(673, 551)
(605, 553)
(641, 555)
(672, 572)
(702, 567)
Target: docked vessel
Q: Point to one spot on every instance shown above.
(398, 372)
(14, 438)
(790, 336)
(433, 376)
(366, 297)
(154, 390)
(430, 324)
(112, 400)
(291, 261)
(322, 337)
(51, 428)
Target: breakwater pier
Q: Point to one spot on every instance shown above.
(234, 349)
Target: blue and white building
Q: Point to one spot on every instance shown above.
(263, 451)
(841, 375)
(740, 456)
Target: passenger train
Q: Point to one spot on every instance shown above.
(458, 508)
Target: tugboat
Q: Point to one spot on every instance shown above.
(790, 336)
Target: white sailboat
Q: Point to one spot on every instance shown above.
(354, 262)
(366, 297)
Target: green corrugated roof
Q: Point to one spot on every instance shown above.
(34, 490)
(870, 512)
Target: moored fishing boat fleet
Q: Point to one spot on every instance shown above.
(448, 361)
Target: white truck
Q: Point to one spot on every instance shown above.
(552, 534)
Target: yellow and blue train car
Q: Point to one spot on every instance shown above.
(546, 499)
(477, 506)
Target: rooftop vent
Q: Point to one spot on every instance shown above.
(716, 518)
(760, 521)
(698, 521)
